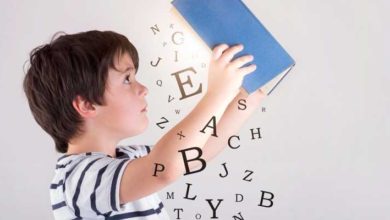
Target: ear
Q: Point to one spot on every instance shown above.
(83, 107)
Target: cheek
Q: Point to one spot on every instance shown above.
(131, 114)
(132, 120)
(127, 109)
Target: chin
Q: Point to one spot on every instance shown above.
(140, 129)
(145, 126)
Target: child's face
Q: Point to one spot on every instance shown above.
(125, 112)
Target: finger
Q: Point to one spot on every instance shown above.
(228, 55)
(218, 50)
(248, 69)
(241, 61)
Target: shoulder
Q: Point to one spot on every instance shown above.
(87, 182)
(70, 168)
(67, 162)
(81, 165)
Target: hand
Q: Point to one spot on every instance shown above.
(226, 75)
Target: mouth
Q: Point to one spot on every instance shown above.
(145, 109)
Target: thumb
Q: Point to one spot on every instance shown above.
(218, 50)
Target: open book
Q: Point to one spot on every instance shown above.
(231, 22)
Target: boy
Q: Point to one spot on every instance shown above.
(82, 90)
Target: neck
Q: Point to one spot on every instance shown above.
(92, 142)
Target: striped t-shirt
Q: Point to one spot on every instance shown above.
(86, 186)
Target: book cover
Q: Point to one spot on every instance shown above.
(231, 22)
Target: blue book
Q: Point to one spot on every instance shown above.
(231, 22)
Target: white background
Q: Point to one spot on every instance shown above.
(325, 133)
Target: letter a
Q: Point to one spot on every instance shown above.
(214, 127)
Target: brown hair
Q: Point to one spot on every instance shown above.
(69, 66)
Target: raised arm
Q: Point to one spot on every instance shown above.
(224, 80)
(232, 120)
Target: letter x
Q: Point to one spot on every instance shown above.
(181, 135)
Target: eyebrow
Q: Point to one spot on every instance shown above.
(127, 69)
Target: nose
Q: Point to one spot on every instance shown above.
(143, 90)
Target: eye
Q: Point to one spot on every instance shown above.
(127, 79)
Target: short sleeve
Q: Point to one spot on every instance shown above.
(92, 186)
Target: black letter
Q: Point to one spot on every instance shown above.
(157, 170)
(240, 103)
(163, 122)
(185, 160)
(180, 83)
(171, 196)
(213, 127)
(253, 134)
(187, 192)
(214, 208)
(181, 135)
(158, 61)
(242, 197)
(238, 137)
(169, 98)
(155, 28)
(224, 165)
(269, 199)
(246, 177)
(239, 218)
(178, 213)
